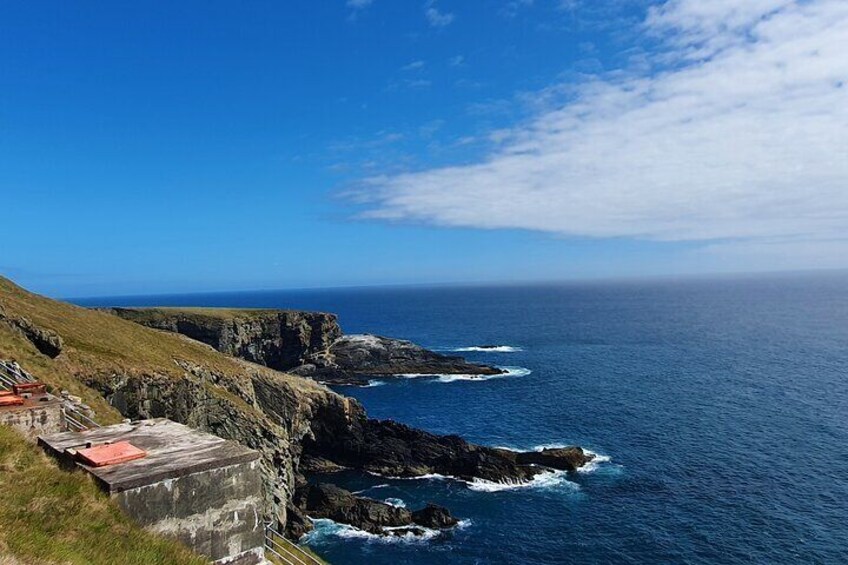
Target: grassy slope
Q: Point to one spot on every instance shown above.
(217, 313)
(52, 516)
(97, 343)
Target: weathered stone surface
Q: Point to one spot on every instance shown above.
(196, 400)
(198, 488)
(40, 414)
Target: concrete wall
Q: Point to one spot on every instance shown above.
(33, 421)
(217, 512)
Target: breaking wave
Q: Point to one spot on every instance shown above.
(325, 528)
(599, 461)
(373, 383)
(396, 502)
(450, 378)
(489, 348)
(546, 479)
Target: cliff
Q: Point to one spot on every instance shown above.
(122, 369)
(309, 344)
(279, 339)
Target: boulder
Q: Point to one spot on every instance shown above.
(435, 517)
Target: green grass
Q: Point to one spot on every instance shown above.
(217, 313)
(98, 344)
(48, 515)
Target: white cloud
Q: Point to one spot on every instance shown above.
(456, 61)
(742, 134)
(413, 66)
(436, 17)
(359, 4)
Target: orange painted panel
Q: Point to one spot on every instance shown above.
(11, 400)
(110, 454)
(32, 388)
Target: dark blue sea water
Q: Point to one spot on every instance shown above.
(722, 405)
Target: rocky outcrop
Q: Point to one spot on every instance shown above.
(434, 517)
(562, 458)
(309, 344)
(47, 341)
(355, 359)
(279, 339)
(388, 448)
(329, 501)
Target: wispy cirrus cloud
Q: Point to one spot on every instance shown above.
(413, 66)
(359, 4)
(737, 129)
(435, 16)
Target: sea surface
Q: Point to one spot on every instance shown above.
(718, 407)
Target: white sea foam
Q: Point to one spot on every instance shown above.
(374, 382)
(384, 485)
(325, 528)
(450, 378)
(598, 460)
(396, 502)
(596, 463)
(492, 349)
(545, 480)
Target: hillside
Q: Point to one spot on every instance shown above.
(148, 373)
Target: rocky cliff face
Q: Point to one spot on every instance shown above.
(258, 408)
(280, 339)
(308, 344)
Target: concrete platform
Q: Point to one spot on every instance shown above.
(193, 486)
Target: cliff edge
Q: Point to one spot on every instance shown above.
(310, 344)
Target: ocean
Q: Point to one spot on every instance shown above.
(718, 408)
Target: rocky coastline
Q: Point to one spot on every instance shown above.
(299, 427)
(340, 434)
(308, 344)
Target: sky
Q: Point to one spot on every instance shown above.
(197, 146)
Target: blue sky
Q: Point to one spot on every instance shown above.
(172, 147)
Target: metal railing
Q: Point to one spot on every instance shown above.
(284, 551)
(77, 421)
(14, 371)
(12, 374)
